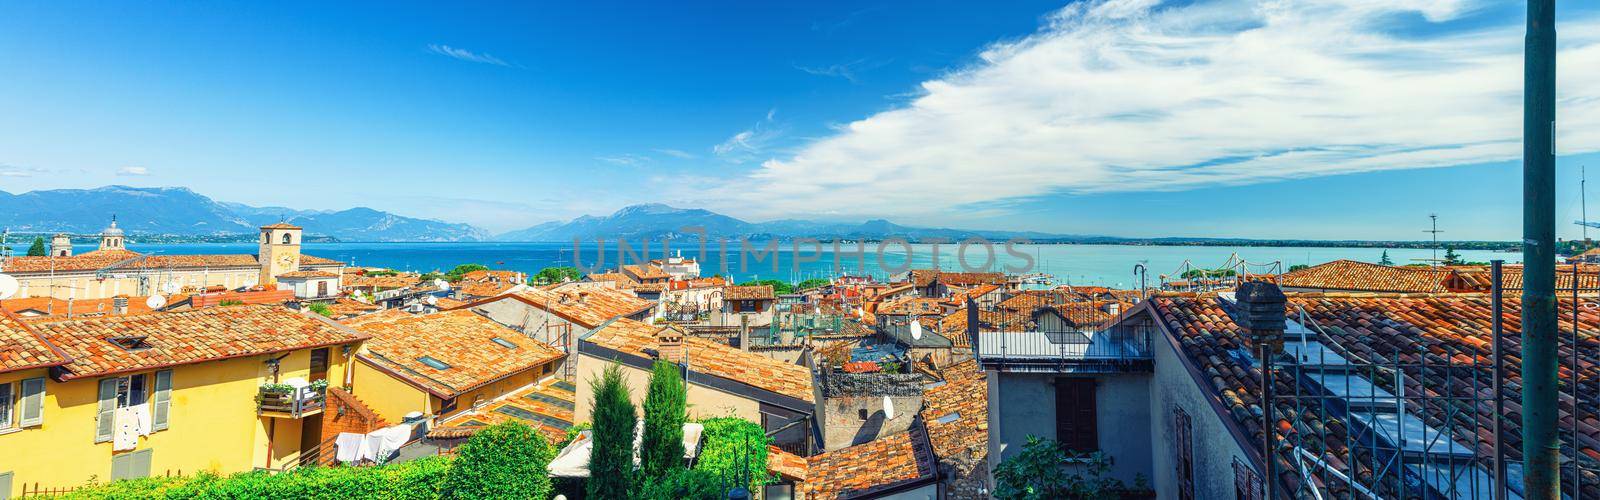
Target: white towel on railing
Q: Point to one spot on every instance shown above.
(126, 429)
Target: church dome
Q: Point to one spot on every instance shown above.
(112, 230)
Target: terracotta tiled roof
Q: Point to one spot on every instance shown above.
(912, 306)
(756, 292)
(192, 336)
(344, 307)
(280, 225)
(1349, 275)
(787, 465)
(307, 274)
(448, 303)
(646, 272)
(545, 406)
(22, 348)
(1478, 279)
(618, 278)
(483, 274)
(100, 259)
(922, 277)
(588, 307)
(396, 281)
(484, 288)
(1384, 329)
(461, 339)
(58, 308)
(957, 416)
(874, 466)
(712, 358)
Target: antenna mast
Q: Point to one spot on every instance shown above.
(1435, 232)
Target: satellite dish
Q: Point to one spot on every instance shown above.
(442, 284)
(888, 408)
(156, 301)
(8, 286)
(916, 330)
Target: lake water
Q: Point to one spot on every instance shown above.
(1107, 265)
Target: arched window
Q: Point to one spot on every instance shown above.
(264, 238)
(287, 238)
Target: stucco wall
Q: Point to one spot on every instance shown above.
(213, 425)
(1215, 447)
(704, 402)
(1023, 404)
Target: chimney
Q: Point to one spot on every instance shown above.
(1261, 313)
(583, 296)
(669, 345)
(119, 305)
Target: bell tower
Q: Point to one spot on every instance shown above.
(111, 236)
(61, 245)
(280, 251)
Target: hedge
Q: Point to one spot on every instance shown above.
(419, 479)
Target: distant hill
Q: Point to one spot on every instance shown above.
(179, 211)
(654, 222)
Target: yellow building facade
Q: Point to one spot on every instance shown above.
(197, 383)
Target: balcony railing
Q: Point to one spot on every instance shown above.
(1120, 347)
(281, 401)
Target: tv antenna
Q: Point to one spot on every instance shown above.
(1434, 218)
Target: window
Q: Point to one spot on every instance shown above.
(434, 363)
(1183, 437)
(131, 465)
(1246, 484)
(6, 417)
(130, 391)
(288, 238)
(1076, 426)
(504, 343)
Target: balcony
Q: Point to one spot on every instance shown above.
(1123, 347)
(286, 401)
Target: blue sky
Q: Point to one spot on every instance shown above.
(1327, 119)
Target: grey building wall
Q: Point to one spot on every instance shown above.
(1215, 447)
(1024, 404)
(848, 397)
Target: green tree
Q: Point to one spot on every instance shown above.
(1451, 258)
(505, 460)
(1207, 273)
(665, 411)
(462, 270)
(557, 274)
(1297, 267)
(37, 250)
(777, 286)
(611, 474)
(1385, 259)
(811, 283)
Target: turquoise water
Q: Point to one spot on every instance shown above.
(1107, 265)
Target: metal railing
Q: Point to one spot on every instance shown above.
(295, 403)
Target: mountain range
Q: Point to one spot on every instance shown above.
(181, 212)
(177, 211)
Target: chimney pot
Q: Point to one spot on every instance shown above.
(1261, 312)
(119, 305)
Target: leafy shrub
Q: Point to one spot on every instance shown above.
(734, 450)
(322, 309)
(504, 460)
(1038, 473)
(419, 479)
(683, 484)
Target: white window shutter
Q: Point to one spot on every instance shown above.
(33, 402)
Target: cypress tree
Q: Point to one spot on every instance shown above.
(611, 474)
(37, 250)
(665, 410)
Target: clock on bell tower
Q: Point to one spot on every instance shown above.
(280, 251)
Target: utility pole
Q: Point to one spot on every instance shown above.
(1541, 478)
(1435, 232)
(1583, 200)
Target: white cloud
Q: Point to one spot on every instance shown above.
(626, 160)
(677, 153)
(745, 145)
(1129, 95)
(133, 171)
(847, 71)
(466, 55)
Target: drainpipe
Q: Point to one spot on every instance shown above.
(1540, 448)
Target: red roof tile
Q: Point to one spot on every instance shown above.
(889, 461)
(712, 358)
(22, 348)
(462, 339)
(186, 337)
